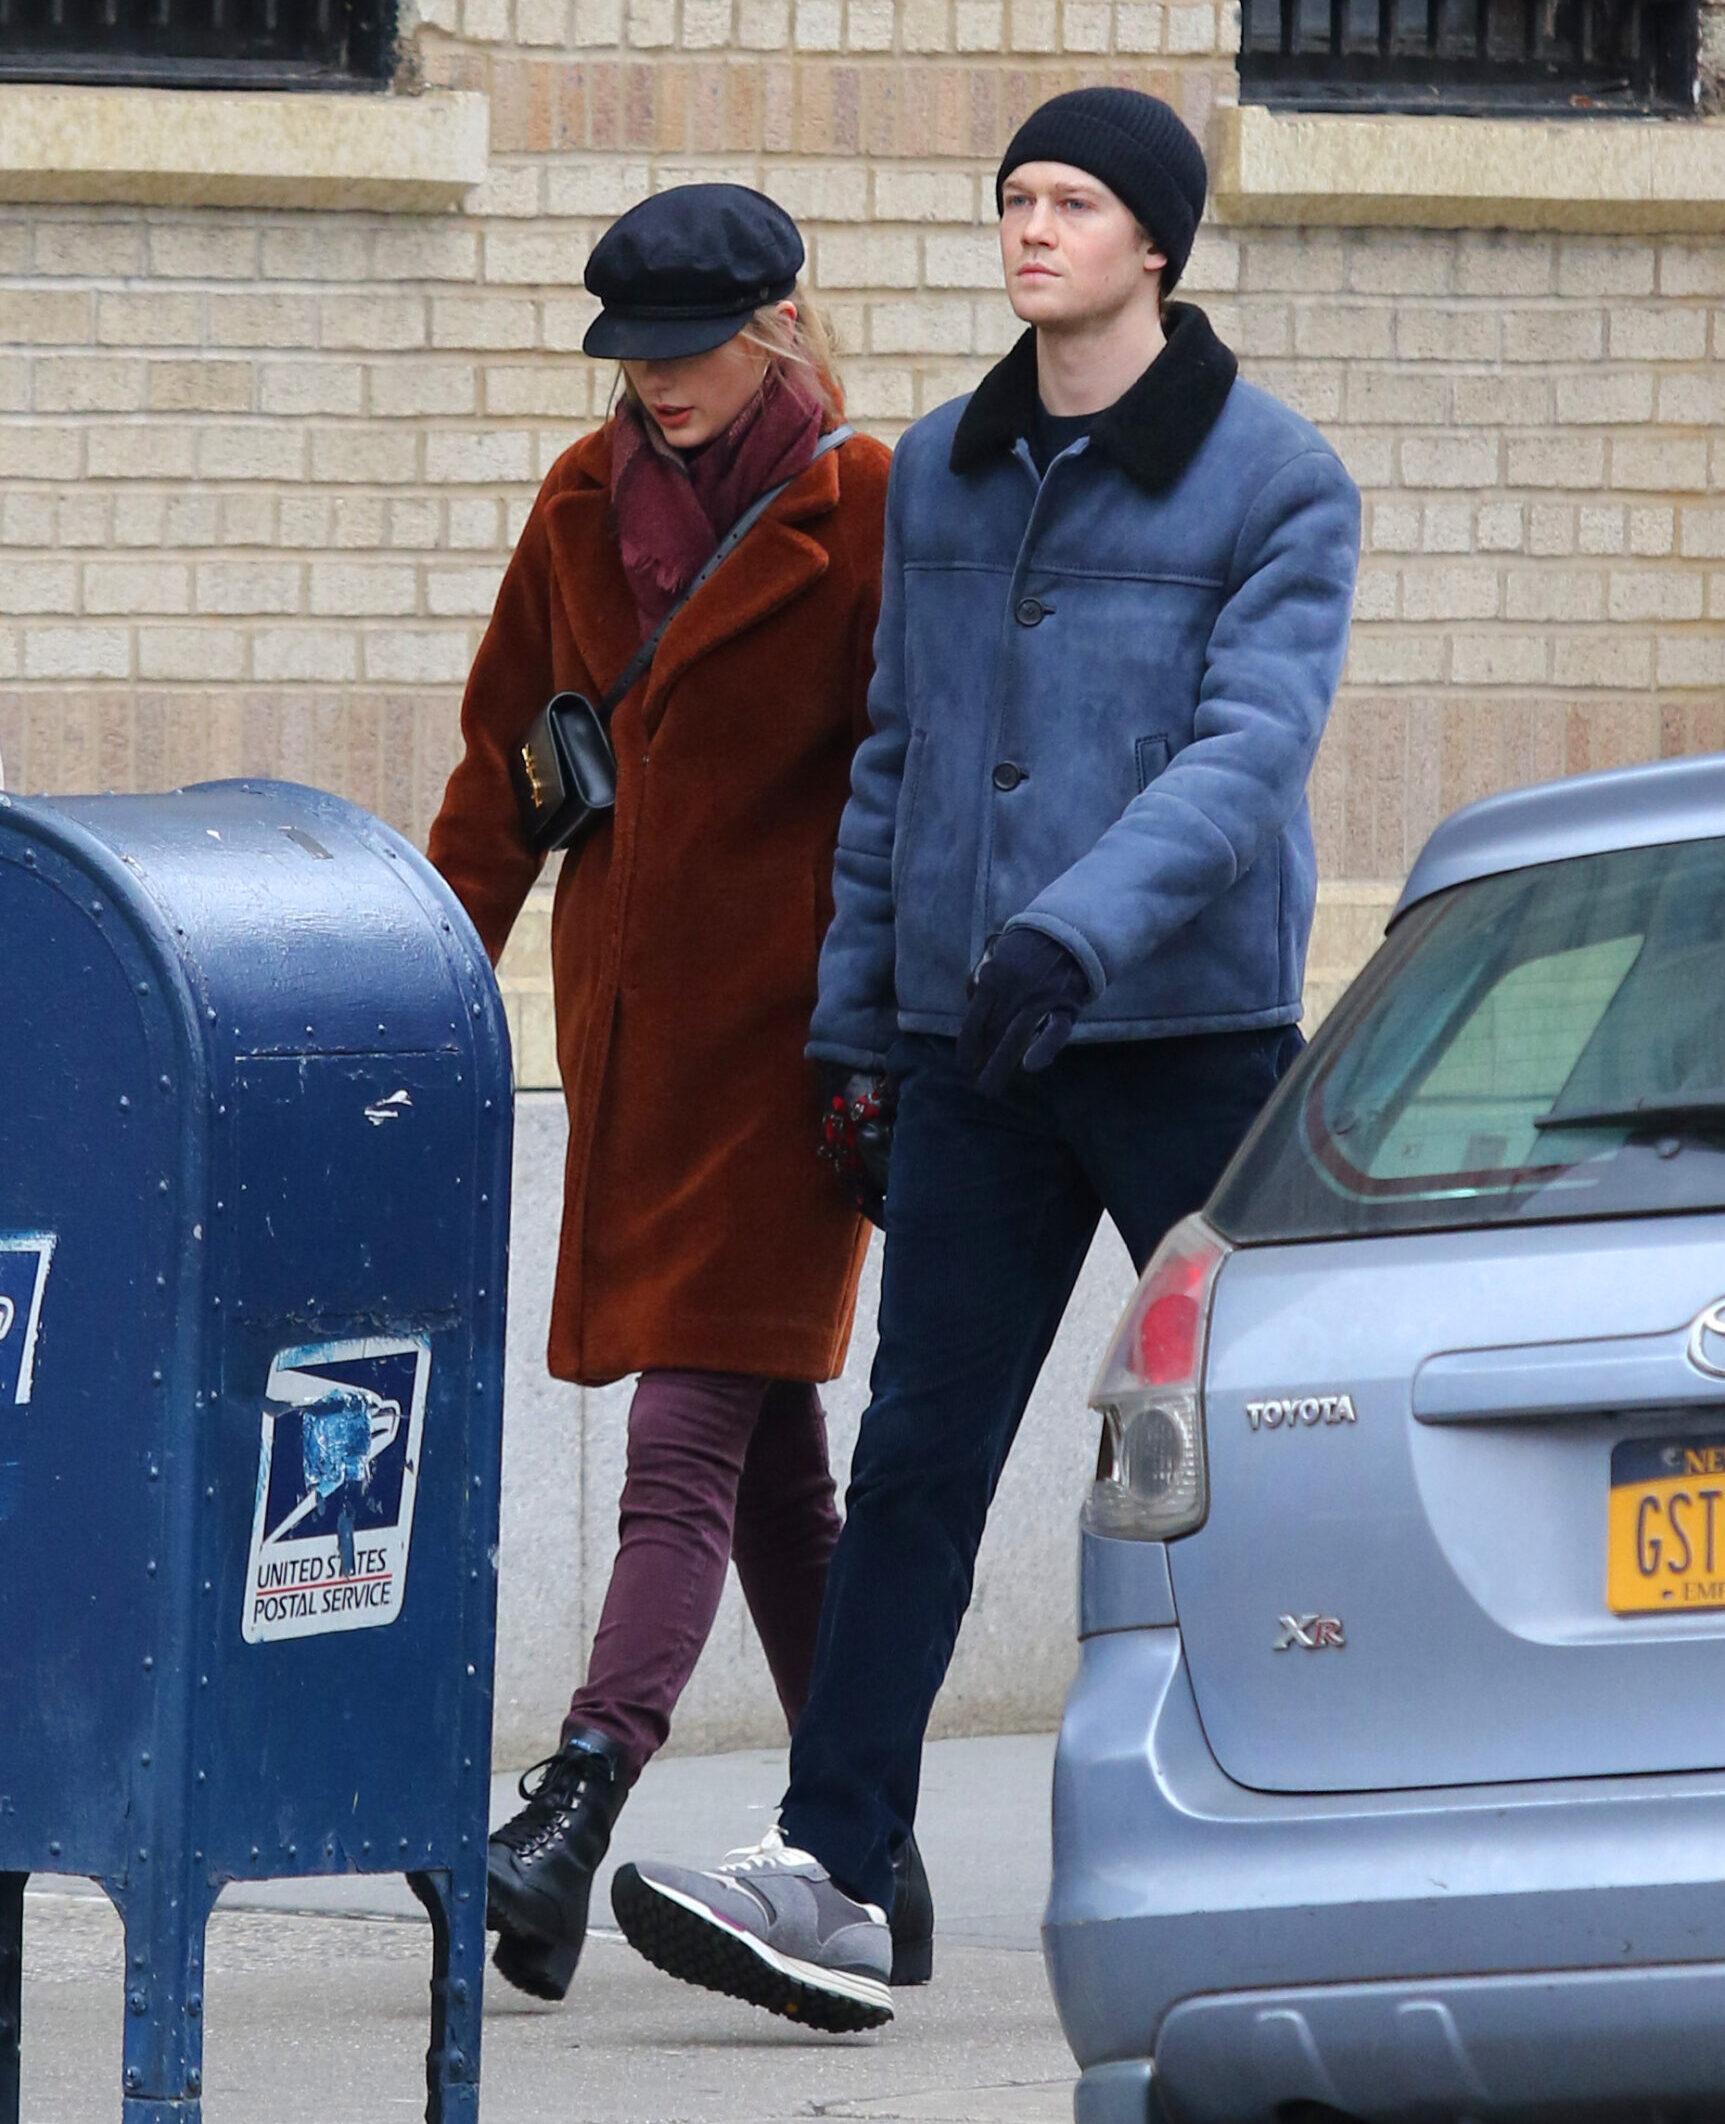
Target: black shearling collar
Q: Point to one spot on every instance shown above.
(1152, 433)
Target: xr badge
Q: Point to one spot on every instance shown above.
(1312, 1633)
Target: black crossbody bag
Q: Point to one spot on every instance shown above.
(565, 770)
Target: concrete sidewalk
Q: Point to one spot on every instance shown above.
(316, 1992)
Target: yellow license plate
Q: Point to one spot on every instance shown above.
(1665, 1534)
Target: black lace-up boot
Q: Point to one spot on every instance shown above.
(540, 1865)
(912, 1919)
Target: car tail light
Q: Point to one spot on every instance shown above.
(1152, 1483)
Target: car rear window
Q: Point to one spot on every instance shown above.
(1534, 1047)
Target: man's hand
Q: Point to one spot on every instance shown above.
(857, 1108)
(1025, 996)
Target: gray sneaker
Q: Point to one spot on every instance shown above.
(767, 1926)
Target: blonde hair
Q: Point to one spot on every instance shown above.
(807, 346)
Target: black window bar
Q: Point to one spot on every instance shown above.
(1502, 58)
(309, 44)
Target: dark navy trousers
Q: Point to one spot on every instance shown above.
(991, 1209)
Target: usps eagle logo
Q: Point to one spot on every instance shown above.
(339, 1465)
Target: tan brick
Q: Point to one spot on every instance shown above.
(1192, 29)
(1555, 334)
(141, 518)
(1376, 593)
(596, 190)
(14, 384)
(456, 593)
(415, 524)
(1394, 527)
(1448, 334)
(527, 389)
(80, 383)
(923, 195)
(763, 25)
(484, 322)
(1368, 453)
(880, 394)
(358, 521)
(1554, 460)
(417, 656)
(1505, 398)
(538, 257)
(77, 652)
(924, 324)
(1620, 660)
(137, 586)
(1501, 527)
(1504, 262)
(1313, 389)
(707, 25)
(1696, 401)
(1612, 397)
(38, 586)
(1139, 28)
(1659, 463)
(1692, 660)
(147, 319)
(473, 523)
(142, 450)
(426, 250)
(43, 317)
(319, 250)
(230, 586)
(1344, 330)
(877, 258)
(258, 452)
(979, 25)
(542, 21)
(205, 249)
(196, 653)
(1214, 266)
(95, 250)
(1550, 529)
(295, 387)
(1445, 590)
(200, 386)
(1639, 594)
(598, 24)
(249, 519)
(382, 457)
(820, 192)
(1597, 265)
(1602, 528)
(1446, 527)
(1658, 332)
(509, 193)
(485, 459)
(1703, 532)
(1401, 262)
(372, 324)
(1554, 594)
(1450, 460)
(1652, 531)
(1692, 268)
(1397, 657)
(85, 518)
(486, 21)
(352, 589)
(258, 320)
(311, 655)
(869, 25)
(27, 519)
(924, 26)
(1499, 659)
(402, 389)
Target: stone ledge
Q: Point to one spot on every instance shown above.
(1612, 176)
(213, 147)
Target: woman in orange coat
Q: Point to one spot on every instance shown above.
(703, 1245)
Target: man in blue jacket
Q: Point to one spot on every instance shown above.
(1074, 888)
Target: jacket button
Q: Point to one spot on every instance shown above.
(1031, 612)
(1008, 775)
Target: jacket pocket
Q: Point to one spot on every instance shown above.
(1152, 758)
(905, 821)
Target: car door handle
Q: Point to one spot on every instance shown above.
(1545, 1382)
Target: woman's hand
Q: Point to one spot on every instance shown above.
(857, 1108)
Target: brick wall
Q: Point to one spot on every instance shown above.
(259, 472)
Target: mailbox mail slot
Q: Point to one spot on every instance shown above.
(254, 1140)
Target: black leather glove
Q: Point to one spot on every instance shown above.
(857, 1109)
(1025, 995)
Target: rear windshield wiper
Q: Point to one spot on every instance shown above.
(1696, 1108)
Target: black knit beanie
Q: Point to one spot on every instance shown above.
(1136, 145)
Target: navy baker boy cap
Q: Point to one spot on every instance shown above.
(685, 270)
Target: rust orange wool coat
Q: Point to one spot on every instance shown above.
(699, 1228)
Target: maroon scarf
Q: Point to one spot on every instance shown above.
(671, 510)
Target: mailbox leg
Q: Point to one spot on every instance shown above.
(164, 2046)
(456, 1907)
(11, 1989)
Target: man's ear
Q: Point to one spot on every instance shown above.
(1155, 261)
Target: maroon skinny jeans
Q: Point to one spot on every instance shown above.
(720, 1466)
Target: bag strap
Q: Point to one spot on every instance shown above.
(733, 538)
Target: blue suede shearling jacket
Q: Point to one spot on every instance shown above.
(1097, 699)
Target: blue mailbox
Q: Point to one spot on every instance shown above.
(254, 1144)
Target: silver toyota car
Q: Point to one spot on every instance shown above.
(1393, 1782)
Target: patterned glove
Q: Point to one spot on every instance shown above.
(857, 1108)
